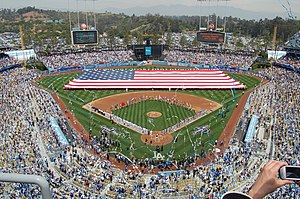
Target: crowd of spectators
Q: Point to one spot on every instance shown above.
(211, 58)
(276, 103)
(233, 59)
(8, 61)
(290, 61)
(85, 59)
(29, 146)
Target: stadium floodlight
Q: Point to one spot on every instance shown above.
(216, 23)
(288, 9)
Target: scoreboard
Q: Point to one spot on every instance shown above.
(146, 52)
(210, 36)
(81, 37)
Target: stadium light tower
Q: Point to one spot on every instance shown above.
(213, 26)
(84, 33)
(288, 9)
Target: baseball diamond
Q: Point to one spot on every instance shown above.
(195, 103)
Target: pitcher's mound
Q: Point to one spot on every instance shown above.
(154, 114)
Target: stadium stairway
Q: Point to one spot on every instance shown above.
(40, 141)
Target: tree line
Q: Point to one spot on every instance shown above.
(126, 27)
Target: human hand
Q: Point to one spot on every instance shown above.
(267, 180)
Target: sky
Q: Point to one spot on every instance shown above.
(100, 5)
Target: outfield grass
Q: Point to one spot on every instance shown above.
(131, 145)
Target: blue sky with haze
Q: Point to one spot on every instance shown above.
(101, 5)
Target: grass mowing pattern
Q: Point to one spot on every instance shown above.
(137, 114)
(187, 144)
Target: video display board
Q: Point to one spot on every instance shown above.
(210, 37)
(148, 50)
(84, 37)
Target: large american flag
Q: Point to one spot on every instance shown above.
(153, 79)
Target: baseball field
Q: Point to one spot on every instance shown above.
(153, 114)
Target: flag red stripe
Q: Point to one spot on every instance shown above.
(164, 79)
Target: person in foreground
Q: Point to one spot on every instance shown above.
(266, 183)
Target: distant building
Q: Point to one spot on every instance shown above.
(54, 21)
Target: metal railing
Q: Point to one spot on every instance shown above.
(29, 179)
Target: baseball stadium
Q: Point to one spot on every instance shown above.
(150, 120)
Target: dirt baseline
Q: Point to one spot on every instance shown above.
(156, 138)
